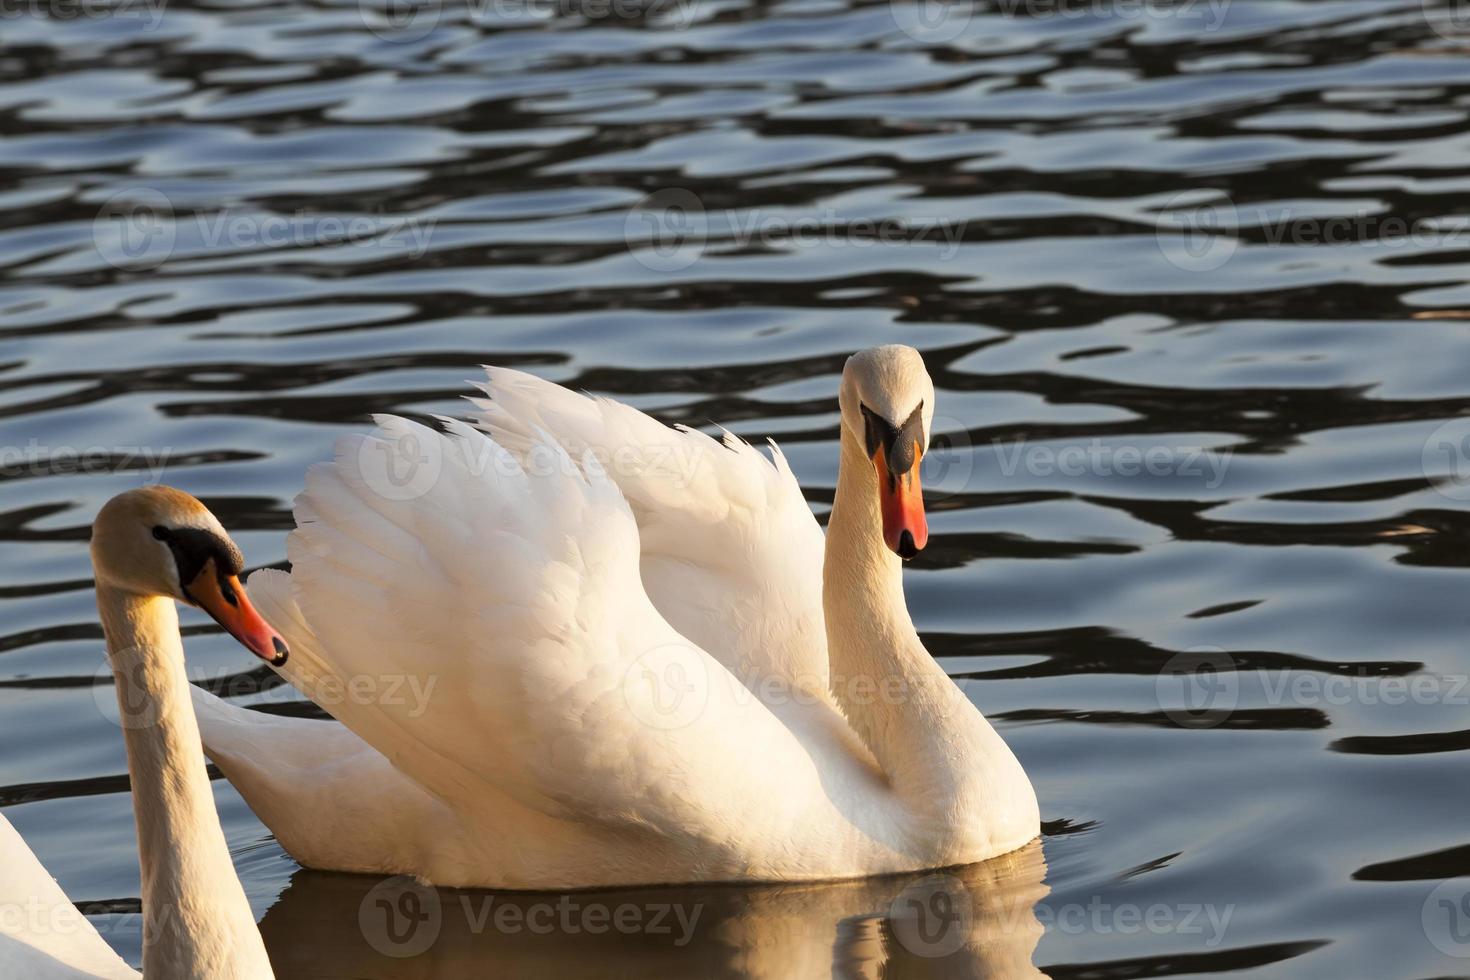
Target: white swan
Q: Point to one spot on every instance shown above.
(634, 676)
(150, 547)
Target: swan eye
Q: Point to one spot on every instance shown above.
(193, 548)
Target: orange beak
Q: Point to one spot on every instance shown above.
(223, 597)
(901, 498)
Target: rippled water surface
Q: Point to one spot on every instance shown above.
(1188, 277)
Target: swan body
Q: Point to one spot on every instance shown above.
(149, 548)
(646, 666)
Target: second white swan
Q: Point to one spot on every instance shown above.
(638, 661)
(151, 547)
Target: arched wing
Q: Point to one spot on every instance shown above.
(514, 598)
(730, 552)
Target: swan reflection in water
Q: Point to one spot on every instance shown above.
(977, 921)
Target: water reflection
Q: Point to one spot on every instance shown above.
(973, 922)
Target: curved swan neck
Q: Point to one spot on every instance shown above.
(940, 754)
(196, 920)
(871, 639)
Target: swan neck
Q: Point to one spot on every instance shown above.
(860, 573)
(885, 680)
(939, 753)
(196, 920)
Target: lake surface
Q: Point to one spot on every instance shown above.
(1190, 278)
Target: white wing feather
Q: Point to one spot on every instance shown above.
(731, 554)
(556, 682)
(43, 935)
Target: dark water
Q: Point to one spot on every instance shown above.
(1186, 275)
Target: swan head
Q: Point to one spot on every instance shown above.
(158, 541)
(887, 402)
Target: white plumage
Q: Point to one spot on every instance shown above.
(622, 629)
(151, 547)
(730, 553)
(42, 934)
